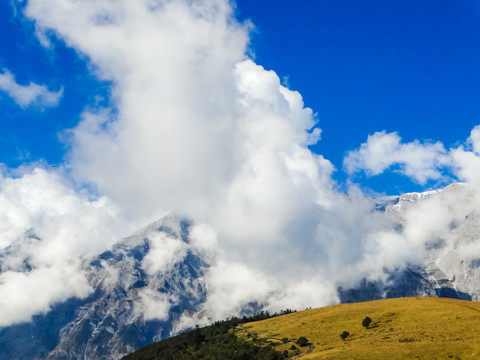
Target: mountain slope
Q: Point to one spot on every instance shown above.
(134, 302)
(449, 224)
(407, 328)
(144, 283)
(216, 341)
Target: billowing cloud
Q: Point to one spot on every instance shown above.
(421, 162)
(201, 129)
(28, 95)
(197, 127)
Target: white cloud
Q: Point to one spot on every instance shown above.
(28, 95)
(232, 286)
(467, 162)
(164, 253)
(152, 304)
(45, 230)
(305, 293)
(204, 241)
(446, 220)
(25, 294)
(474, 139)
(200, 129)
(421, 162)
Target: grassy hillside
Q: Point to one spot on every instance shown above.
(406, 328)
(215, 342)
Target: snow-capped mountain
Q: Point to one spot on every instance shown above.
(450, 266)
(123, 312)
(446, 225)
(137, 299)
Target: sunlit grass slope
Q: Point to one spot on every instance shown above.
(406, 328)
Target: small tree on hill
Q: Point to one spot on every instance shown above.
(366, 322)
(302, 341)
(344, 335)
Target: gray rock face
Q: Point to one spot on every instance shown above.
(405, 283)
(110, 322)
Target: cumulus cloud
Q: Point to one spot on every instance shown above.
(199, 128)
(421, 162)
(28, 95)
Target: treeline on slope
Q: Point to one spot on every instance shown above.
(215, 341)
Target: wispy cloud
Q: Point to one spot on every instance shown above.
(28, 95)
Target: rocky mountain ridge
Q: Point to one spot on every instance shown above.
(447, 270)
(137, 300)
(111, 322)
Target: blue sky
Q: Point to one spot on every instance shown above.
(32, 133)
(362, 66)
(366, 66)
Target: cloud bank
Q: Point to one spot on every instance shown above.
(198, 128)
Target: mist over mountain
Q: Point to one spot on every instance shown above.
(131, 303)
(162, 280)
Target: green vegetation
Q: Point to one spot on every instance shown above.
(407, 328)
(217, 341)
(302, 341)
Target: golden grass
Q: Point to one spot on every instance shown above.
(406, 328)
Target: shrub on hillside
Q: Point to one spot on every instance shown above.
(366, 322)
(302, 341)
